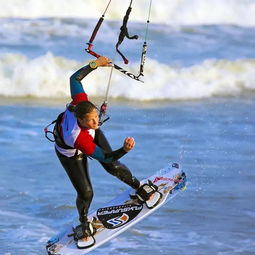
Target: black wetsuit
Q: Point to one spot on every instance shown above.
(76, 165)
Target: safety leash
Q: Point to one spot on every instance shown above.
(103, 117)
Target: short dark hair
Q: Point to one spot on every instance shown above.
(82, 108)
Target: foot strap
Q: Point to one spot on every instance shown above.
(84, 235)
(148, 193)
(154, 200)
(84, 230)
(145, 191)
(85, 242)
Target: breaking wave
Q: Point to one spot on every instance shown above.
(47, 76)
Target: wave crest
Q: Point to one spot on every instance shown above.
(48, 77)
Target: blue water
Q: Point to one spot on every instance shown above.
(185, 45)
(196, 107)
(213, 140)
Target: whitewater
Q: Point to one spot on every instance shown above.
(208, 79)
(188, 58)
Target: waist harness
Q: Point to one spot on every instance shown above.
(56, 133)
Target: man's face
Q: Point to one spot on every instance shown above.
(90, 120)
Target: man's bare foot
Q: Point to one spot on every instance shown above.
(86, 242)
(86, 239)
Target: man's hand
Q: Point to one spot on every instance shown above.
(129, 144)
(103, 61)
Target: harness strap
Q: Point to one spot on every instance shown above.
(58, 139)
(57, 133)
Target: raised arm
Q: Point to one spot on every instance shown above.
(75, 80)
(76, 87)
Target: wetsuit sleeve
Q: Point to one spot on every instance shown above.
(77, 92)
(107, 157)
(85, 143)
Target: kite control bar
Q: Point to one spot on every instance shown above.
(122, 70)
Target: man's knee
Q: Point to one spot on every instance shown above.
(86, 195)
(115, 168)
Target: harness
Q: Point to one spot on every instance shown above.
(56, 133)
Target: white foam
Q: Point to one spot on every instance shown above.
(45, 76)
(164, 11)
(48, 77)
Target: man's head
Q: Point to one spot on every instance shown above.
(87, 115)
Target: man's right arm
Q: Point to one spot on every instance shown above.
(77, 92)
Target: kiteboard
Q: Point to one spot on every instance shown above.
(120, 213)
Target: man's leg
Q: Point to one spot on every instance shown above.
(115, 168)
(77, 170)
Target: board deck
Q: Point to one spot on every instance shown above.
(120, 213)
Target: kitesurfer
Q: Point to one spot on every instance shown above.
(77, 137)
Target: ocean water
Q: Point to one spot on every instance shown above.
(195, 107)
